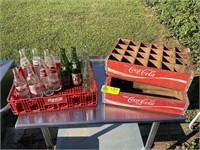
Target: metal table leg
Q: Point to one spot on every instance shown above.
(152, 135)
(47, 137)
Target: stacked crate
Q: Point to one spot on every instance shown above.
(150, 76)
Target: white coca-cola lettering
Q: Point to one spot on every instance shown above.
(57, 99)
(142, 72)
(138, 101)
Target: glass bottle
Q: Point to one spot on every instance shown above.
(47, 86)
(76, 68)
(35, 86)
(24, 62)
(65, 73)
(35, 60)
(47, 57)
(86, 71)
(21, 85)
(53, 74)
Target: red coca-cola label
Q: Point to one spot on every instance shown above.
(52, 69)
(43, 73)
(147, 75)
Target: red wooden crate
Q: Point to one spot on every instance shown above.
(155, 64)
(65, 99)
(146, 97)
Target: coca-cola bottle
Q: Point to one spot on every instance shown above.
(47, 88)
(65, 73)
(24, 62)
(76, 68)
(47, 57)
(86, 71)
(53, 74)
(36, 63)
(20, 84)
(35, 86)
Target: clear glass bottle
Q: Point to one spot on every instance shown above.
(35, 86)
(47, 57)
(24, 62)
(36, 63)
(53, 74)
(76, 68)
(21, 85)
(86, 71)
(47, 88)
(65, 73)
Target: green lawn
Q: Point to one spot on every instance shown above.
(53, 24)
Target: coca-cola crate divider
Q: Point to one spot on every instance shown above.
(151, 63)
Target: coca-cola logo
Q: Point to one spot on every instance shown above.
(57, 99)
(142, 72)
(138, 101)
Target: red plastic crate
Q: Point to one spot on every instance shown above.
(150, 63)
(146, 97)
(74, 97)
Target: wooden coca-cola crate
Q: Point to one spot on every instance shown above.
(146, 97)
(150, 63)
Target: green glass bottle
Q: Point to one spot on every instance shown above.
(65, 73)
(76, 68)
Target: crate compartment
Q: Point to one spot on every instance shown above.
(145, 89)
(147, 97)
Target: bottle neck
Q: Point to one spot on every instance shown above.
(21, 53)
(74, 55)
(35, 53)
(15, 72)
(62, 53)
(46, 52)
(85, 52)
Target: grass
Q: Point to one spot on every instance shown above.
(53, 24)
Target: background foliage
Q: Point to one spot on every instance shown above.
(182, 19)
(53, 24)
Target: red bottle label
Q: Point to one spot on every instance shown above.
(76, 78)
(52, 69)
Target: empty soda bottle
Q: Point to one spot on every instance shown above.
(65, 73)
(36, 63)
(24, 62)
(86, 71)
(53, 74)
(76, 68)
(47, 86)
(47, 57)
(21, 85)
(35, 86)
